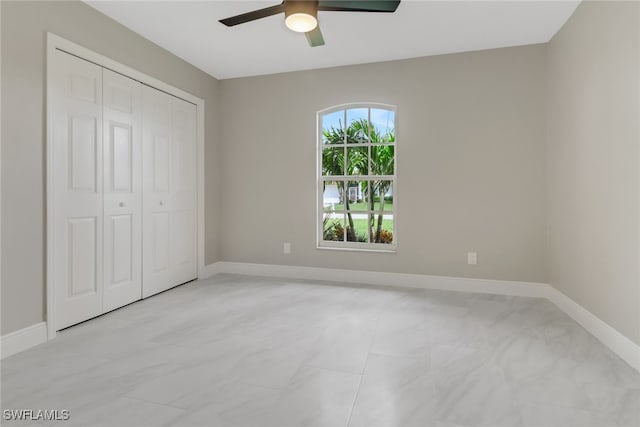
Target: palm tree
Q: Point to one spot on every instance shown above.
(333, 163)
(381, 163)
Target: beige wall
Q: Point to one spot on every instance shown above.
(24, 27)
(593, 162)
(471, 163)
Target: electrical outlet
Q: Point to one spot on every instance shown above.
(472, 258)
(287, 248)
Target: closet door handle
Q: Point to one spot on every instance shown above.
(121, 204)
(161, 203)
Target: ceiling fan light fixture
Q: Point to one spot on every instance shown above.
(301, 16)
(301, 22)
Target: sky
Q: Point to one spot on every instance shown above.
(383, 120)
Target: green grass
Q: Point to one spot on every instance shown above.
(388, 206)
(361, 225)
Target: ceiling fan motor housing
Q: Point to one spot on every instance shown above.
(305, 7)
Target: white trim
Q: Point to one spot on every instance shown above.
(210, 270)
(618, 343)
(56, 42)
(356, 249)
(23, 339)
(637, 348)
(614, 340)
(200, 186)
(404, 280)
(50, 252)
(346, 245)
(0, 183)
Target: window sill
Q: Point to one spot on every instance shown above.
(332, 248)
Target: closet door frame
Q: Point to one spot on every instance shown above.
(55, 42)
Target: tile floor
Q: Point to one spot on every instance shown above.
(246, 351)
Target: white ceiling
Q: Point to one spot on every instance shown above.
(190, 30)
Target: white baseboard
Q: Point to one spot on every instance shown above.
(23, 339)
(618, 343)
(209, 270)
(485, 286)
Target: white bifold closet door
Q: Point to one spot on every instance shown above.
(77, 175)
(169, 191)
(124, 189)
(122, 183)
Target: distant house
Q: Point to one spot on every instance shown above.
(333, 196)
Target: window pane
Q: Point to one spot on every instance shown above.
(333, 227)
(381, 228)
(357, 160)
(383, 123)
(382, 195)
(357, 193)
(359, 231)
(333, 161)
(333, 128)
(332, 195)
(383, 159)
(357, 126)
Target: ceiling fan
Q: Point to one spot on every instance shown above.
(302, 15)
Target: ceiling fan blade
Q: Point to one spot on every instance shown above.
(314, 37)
(359, 5)
(253, 15)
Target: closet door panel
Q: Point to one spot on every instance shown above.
(184, 179)
(169, 191)
(76, 111)
(160, 248)
(122, 259)
(83, 257)
(122, 190)
(157, 202)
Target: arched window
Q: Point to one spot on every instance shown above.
(357, 187)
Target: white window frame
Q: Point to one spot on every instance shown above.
(346, 245)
